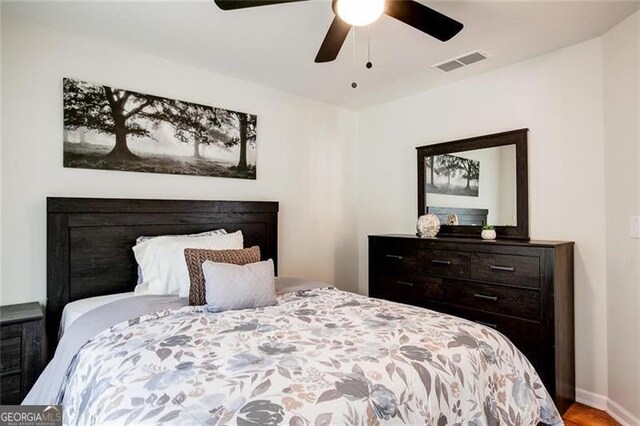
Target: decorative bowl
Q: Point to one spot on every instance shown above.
(428, 225)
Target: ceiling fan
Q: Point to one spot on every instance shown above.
(358, 13)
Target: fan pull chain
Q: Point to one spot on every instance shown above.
(353, 59)
(369, 63)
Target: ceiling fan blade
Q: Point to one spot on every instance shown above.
(424, 19)
(338, 32)
(245, 4)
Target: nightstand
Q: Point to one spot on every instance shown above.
(21, 350)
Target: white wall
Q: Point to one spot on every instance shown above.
(622, 185)
(559, 98)
(304, 155)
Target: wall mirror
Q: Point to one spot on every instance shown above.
(474, 182)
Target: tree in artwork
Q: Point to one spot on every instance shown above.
(470, 170)
(193, 123)
(245, 125)
(106, 110)
(430, 165)
(447, 166)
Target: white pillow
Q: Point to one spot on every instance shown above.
(162, 262)
(141, 239)
(239, 287)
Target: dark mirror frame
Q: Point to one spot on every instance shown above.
(514, 137)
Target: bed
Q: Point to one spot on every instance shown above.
(319, 356)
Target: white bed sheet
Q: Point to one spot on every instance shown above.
(74, 310)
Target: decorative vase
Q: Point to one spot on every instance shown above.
(428, 225)
(488, 234)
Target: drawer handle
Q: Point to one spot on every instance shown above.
(486, 296)
(488, 324)
(395, 256)
(441, 262)
(406, 283)
(502, 268)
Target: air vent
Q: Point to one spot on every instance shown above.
(462, 61)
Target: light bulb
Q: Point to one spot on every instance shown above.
(359, 13)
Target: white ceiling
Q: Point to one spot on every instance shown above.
(275, 45)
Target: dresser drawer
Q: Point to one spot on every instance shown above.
(394, 256)
(10, 390)
(444, 262)
(523, 271)
(526, 335)
(406, 288)
(10, 351)
(516, 302)
(397, 289)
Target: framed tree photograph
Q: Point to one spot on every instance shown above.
(452, 175)
(118, 129)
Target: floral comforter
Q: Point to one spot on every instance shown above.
(319, 357)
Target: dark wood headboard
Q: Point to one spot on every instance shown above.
(89, 241)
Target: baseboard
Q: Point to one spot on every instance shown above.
(603, 403)
(592, 399)
(619, 413)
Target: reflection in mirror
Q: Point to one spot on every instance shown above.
(472, 187)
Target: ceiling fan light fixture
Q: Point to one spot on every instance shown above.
(360, 13)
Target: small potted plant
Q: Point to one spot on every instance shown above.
(488, 232)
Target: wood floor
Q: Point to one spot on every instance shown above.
(583, 415)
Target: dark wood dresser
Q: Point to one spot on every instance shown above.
(21, 350)
(522, 289)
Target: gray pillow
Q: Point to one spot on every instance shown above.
(231, 286)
